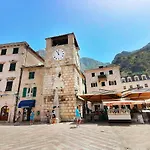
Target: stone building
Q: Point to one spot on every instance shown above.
(62, 73)
(31, 92)
(103, 79)
(12, 57)
(56, 82)
(136, 81)
(109, 79)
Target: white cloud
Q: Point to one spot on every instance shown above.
(120, 6)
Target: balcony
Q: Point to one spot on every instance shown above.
(102, 77)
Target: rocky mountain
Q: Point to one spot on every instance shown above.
(86, 63)
(131, 63)
(136, 62)
(89, 63)
(42, 53)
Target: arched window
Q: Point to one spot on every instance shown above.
(4, 113)
(129, 79)
(144, 77)
(136, 78)
(123, 80)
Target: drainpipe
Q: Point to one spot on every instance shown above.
(17, 95)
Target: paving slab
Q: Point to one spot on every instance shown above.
(65, 136)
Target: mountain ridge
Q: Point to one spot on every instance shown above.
(131, 63)
(86, 63)
(135, 62)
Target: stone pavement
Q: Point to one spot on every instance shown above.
(65, 136)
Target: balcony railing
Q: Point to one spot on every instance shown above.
(102, 77)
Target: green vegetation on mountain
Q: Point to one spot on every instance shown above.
(86, 63)
(136, 62)
(89, 63)
(131, 63)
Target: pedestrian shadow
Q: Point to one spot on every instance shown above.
(73, 127)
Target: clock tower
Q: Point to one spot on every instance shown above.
(62, 74)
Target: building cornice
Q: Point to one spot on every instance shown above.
(18, 44)
(14, 44)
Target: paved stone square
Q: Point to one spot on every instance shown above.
(65, 136)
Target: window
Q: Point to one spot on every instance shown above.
(61, 40)
(9, 86)
(31, 75)
(136, 78)
(15, 50)
(129, 79)
(24, 92)
(34, 91)
(110, 72)
(131, 87)
(101, 73)
(112, 82)
(144, 77)
(1, 67)
(94, 84)
(109, 82)
(93, 74)
(102, 83)
(123, 80)
(146, 85)
(124, 87)
(28, 92)
(3, 51)
(12, 66)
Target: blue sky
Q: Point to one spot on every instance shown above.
(103, 27)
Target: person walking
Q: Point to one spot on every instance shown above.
(78, 116)
(18, 117)
(48, 117)
(53, 116)
(31, 117)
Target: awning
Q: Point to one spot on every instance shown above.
(27, 104)
(101, 97)
(141, 94)
(117, 103)
(128, 102)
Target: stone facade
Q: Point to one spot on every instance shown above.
(23, 56)
(70, 82)
(136, 81)
(29, 84)
(49, 75)
(103, 78)
(121, 84)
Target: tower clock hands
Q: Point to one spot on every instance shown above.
(57, 52)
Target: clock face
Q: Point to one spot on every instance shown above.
(58, 54)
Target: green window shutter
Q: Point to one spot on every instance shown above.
(34, 91)
(24, 92)
(31, 75)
